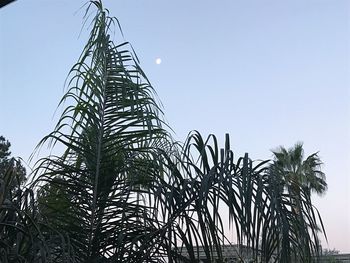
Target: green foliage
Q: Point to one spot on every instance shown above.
(123, 191)
(298, 173)
(20, 238)
(298, 178)
(8, 163)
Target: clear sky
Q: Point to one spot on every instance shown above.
(269, 73)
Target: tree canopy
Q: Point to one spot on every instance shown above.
(8, 163)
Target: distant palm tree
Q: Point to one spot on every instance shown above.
(297, 178)
(299, 173)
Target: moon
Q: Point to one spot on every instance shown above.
(158, 61)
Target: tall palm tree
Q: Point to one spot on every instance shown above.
(298, 178)
(112, 133)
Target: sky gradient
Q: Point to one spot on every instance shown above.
(269, 73)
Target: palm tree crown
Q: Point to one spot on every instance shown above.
(297, 172)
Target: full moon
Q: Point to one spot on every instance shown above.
(158, 61)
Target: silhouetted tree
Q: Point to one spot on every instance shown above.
(9, 163)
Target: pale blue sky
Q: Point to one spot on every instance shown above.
(269, 73)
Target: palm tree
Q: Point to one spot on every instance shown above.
(298, 178)
(113, 127)
(299, 173)
(123, 191)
